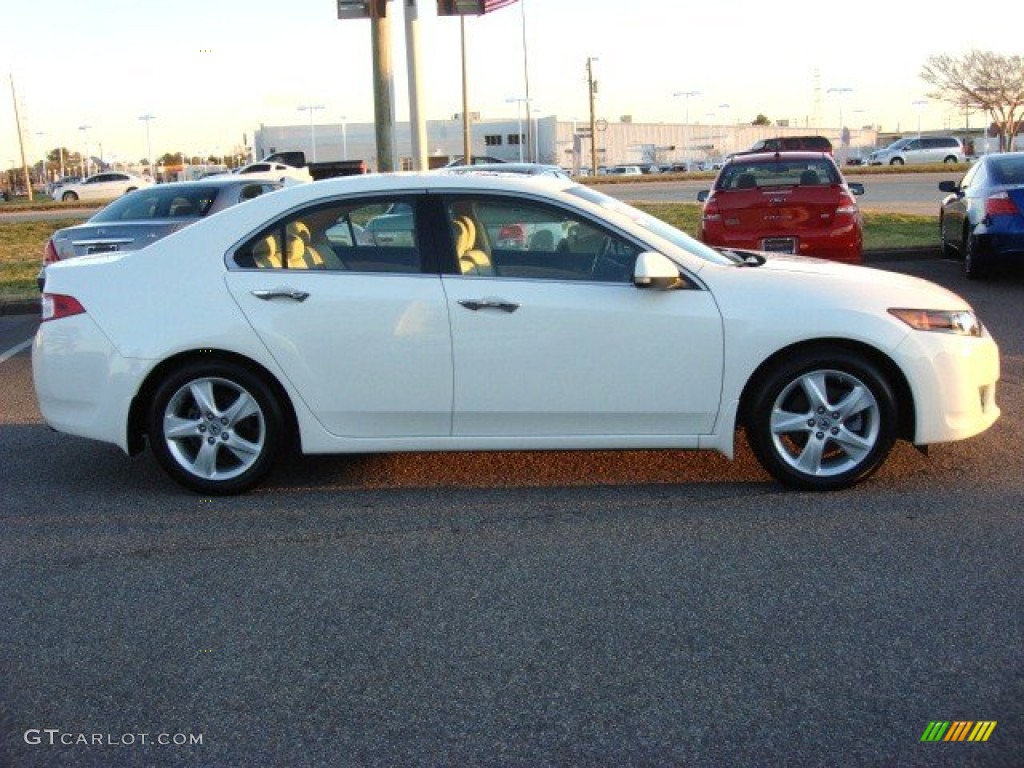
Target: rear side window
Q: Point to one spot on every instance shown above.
(377, 235)
(159, 202)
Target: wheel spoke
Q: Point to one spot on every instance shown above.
(816, 390)
(244, 450)
(853, 445)
(177, 428)
(857, 401)
(205, 463)
(202, 393)
(243, 407)
(809, 460)
(785, 422)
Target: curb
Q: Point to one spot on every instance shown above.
(31, 306)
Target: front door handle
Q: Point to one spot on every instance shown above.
(478, 304)
(280, 293)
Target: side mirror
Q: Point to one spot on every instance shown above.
(657, 271)
(949, 186)
(703, 195)
(856, 187)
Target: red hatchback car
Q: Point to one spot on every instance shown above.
(792, 202)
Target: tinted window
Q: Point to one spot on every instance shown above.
(1007, 169)
(376, 235)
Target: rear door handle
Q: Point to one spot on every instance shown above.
(478, 304)
(280, 293)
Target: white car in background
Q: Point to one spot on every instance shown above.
(271, 171)
(282, 322)
(100, 186)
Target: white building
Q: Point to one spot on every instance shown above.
(552, 141)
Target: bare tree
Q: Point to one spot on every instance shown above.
(984, 80)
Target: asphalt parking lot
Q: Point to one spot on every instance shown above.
(589, 609)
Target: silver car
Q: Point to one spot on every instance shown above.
(920, 150)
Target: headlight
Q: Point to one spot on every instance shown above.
(962, 322)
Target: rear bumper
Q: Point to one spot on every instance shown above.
(84, 387)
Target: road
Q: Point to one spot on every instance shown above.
(590, 609)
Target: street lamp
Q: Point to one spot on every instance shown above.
(85, 137)
(149, 147)
(840, 91)
(311, 108)
(686, 125)
(919, 103)
(519, 117)
(344, 138)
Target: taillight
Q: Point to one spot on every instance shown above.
(58, 305)
(50, 253)
(711, 210)
(1000, 204)
(847, 206)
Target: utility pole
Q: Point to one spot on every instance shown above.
(593, 123)
(383, 99)
(21, 142)
(467, 139)
(417, 123)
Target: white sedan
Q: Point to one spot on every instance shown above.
(100, 186)
(385, 313)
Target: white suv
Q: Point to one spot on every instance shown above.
(922, 149)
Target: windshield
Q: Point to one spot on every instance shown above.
(653, 225)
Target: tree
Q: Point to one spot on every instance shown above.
(981, 79)
(761, 120)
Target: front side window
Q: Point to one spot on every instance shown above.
(497, 237)
(377, 235)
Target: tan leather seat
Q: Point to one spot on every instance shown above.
(301, 253)
(265, 253)
(472, 260)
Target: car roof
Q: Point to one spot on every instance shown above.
(767, 157)
(519, 168)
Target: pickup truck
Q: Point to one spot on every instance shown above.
(315, 171)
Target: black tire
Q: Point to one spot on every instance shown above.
(822, 420)
(68, 197)
(976, 265)
(951, 160)
(948, 249)
(896, 161)
(225, 448)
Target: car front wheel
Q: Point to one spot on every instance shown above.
(68, 197)
(215, 427)
(822, 420)
(896, 161)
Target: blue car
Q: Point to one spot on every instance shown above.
(982, 219)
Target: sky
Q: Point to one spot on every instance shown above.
(210, 71)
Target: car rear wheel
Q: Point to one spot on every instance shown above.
(950, 160)
(896, 161)
(822, 420)
(976, 265)
(215, 427)
(68, 197)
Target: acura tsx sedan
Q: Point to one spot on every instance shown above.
(428, 312)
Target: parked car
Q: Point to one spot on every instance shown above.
(982, 218)
(791, 144)
(63, 180)
(525, 169)
(142, 217)
(796, 202)
(100, 186)
(920, 150)
(273, 171)
(460, 161)
(254, 330)
(620, 170)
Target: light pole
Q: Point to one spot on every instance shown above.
(687, 95)
(519, 117)
(149, 146)
(535, 127)
(344, 138)
(841, 92)
(919, 103)
(85, 160)
(311, 108)
(526, 77)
